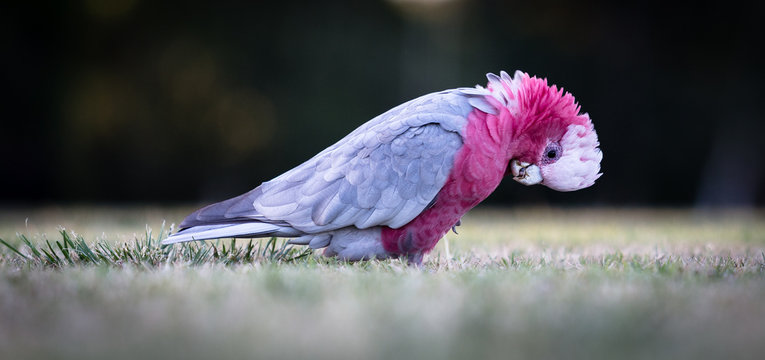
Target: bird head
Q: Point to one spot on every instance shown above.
(551, 142)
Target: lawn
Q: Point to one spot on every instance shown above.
(515, 283)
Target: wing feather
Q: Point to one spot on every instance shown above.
(373, 193)
(385, 172)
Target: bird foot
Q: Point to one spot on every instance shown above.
(415, 259)
(454, 228)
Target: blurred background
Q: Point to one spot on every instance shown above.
(134, 101)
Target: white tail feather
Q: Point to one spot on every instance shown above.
(221, 231)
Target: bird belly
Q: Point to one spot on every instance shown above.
(352, 244)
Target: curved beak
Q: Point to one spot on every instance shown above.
(525, 173)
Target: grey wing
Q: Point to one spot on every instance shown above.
(386, 184)
(386, 172)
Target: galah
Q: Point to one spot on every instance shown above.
(397, 184)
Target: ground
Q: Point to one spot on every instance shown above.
(518, 283)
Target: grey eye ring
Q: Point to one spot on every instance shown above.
(552, 152)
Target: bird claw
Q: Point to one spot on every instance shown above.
(454, 228)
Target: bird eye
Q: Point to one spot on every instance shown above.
(552, 152)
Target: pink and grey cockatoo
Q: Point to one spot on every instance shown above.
(397, 184)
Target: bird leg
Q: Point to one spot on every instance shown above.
(414, 259)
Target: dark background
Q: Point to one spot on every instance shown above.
(145, 101)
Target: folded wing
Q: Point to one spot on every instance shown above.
(386, 172)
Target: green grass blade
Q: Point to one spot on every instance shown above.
(13, 248)
(65, 252)
(31, 246)
(53, 252)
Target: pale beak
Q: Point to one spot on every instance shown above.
(525, 173)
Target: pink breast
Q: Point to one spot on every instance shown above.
(478, 169)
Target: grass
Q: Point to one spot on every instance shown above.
(147, 252)
(519, 283)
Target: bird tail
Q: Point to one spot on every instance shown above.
(205, 232)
